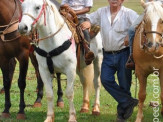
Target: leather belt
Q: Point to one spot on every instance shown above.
(116, 52)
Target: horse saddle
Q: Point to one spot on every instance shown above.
(72, 21)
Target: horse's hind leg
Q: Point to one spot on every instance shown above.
(97, 84)
(142, 94)
(59, 92)
(7, 85)
(39, 81)
(86, 78)
(12, 64)
(23, 66)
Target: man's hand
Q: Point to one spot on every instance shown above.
(126, 41)
(85, 25)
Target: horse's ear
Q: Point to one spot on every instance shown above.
(143, 4)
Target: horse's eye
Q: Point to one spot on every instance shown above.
(161, 21)
(38, 7)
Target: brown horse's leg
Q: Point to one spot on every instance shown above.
(7, 84)
(161, 87)
(142, 93)
(86, 78)
(12, 65)
(23, 66)
(60, 102)
(39, 81)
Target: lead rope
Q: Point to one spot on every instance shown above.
(136, 86)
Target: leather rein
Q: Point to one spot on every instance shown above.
(11, 27)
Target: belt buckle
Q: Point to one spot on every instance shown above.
(113, 52)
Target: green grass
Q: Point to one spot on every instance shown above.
(108, 104)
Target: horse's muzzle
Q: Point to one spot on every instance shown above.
(23, 28)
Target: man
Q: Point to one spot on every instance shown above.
(115, 21)
(81, 7)
(130, 62)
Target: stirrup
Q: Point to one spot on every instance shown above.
(130, 63)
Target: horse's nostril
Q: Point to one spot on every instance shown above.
(25, 28)
(150, 44)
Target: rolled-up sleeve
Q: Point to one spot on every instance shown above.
(95, 17)
(88, 3)
(64, 2)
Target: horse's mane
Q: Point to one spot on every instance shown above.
(154, 8)
(57, 17)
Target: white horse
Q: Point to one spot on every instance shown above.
(54, 32)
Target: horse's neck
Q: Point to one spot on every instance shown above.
(52, 27)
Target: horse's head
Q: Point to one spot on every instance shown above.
(153, 25)
(33, 14)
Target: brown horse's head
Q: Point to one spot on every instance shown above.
(153, 25)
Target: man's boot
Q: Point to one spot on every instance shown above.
(89, 55)
(130, 63)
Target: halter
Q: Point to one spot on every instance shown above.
(143, 44)
(148, 32)
(43, 11)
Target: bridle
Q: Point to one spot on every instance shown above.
(43, 11)
(143, 42)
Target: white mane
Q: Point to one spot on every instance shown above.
(153, 9)
(57, 17)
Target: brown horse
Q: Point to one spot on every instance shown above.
(12, 46)
(148, 50)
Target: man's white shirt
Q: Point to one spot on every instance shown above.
(113, 35)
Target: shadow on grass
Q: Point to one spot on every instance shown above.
(60, 117)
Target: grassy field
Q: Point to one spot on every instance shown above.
(108, 104)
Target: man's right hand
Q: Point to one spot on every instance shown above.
(85, 25)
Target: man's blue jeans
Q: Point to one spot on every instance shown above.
(112, 64)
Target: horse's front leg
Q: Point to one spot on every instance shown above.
(23, 67)
(86, 78)
(39, 81)
(71, 73)
(7, 85)
(47, 80)
(12, 64)
(97, 85)
(60, 102)
(142, 93)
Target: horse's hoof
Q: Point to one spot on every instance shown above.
(72, 118)
(50, 119)
(37, 105)
(96, 113)
(96, 110)
(21, 117)
(84, 110)
(2, 91)
(60, 104)
(162, 113)
(5, 115)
